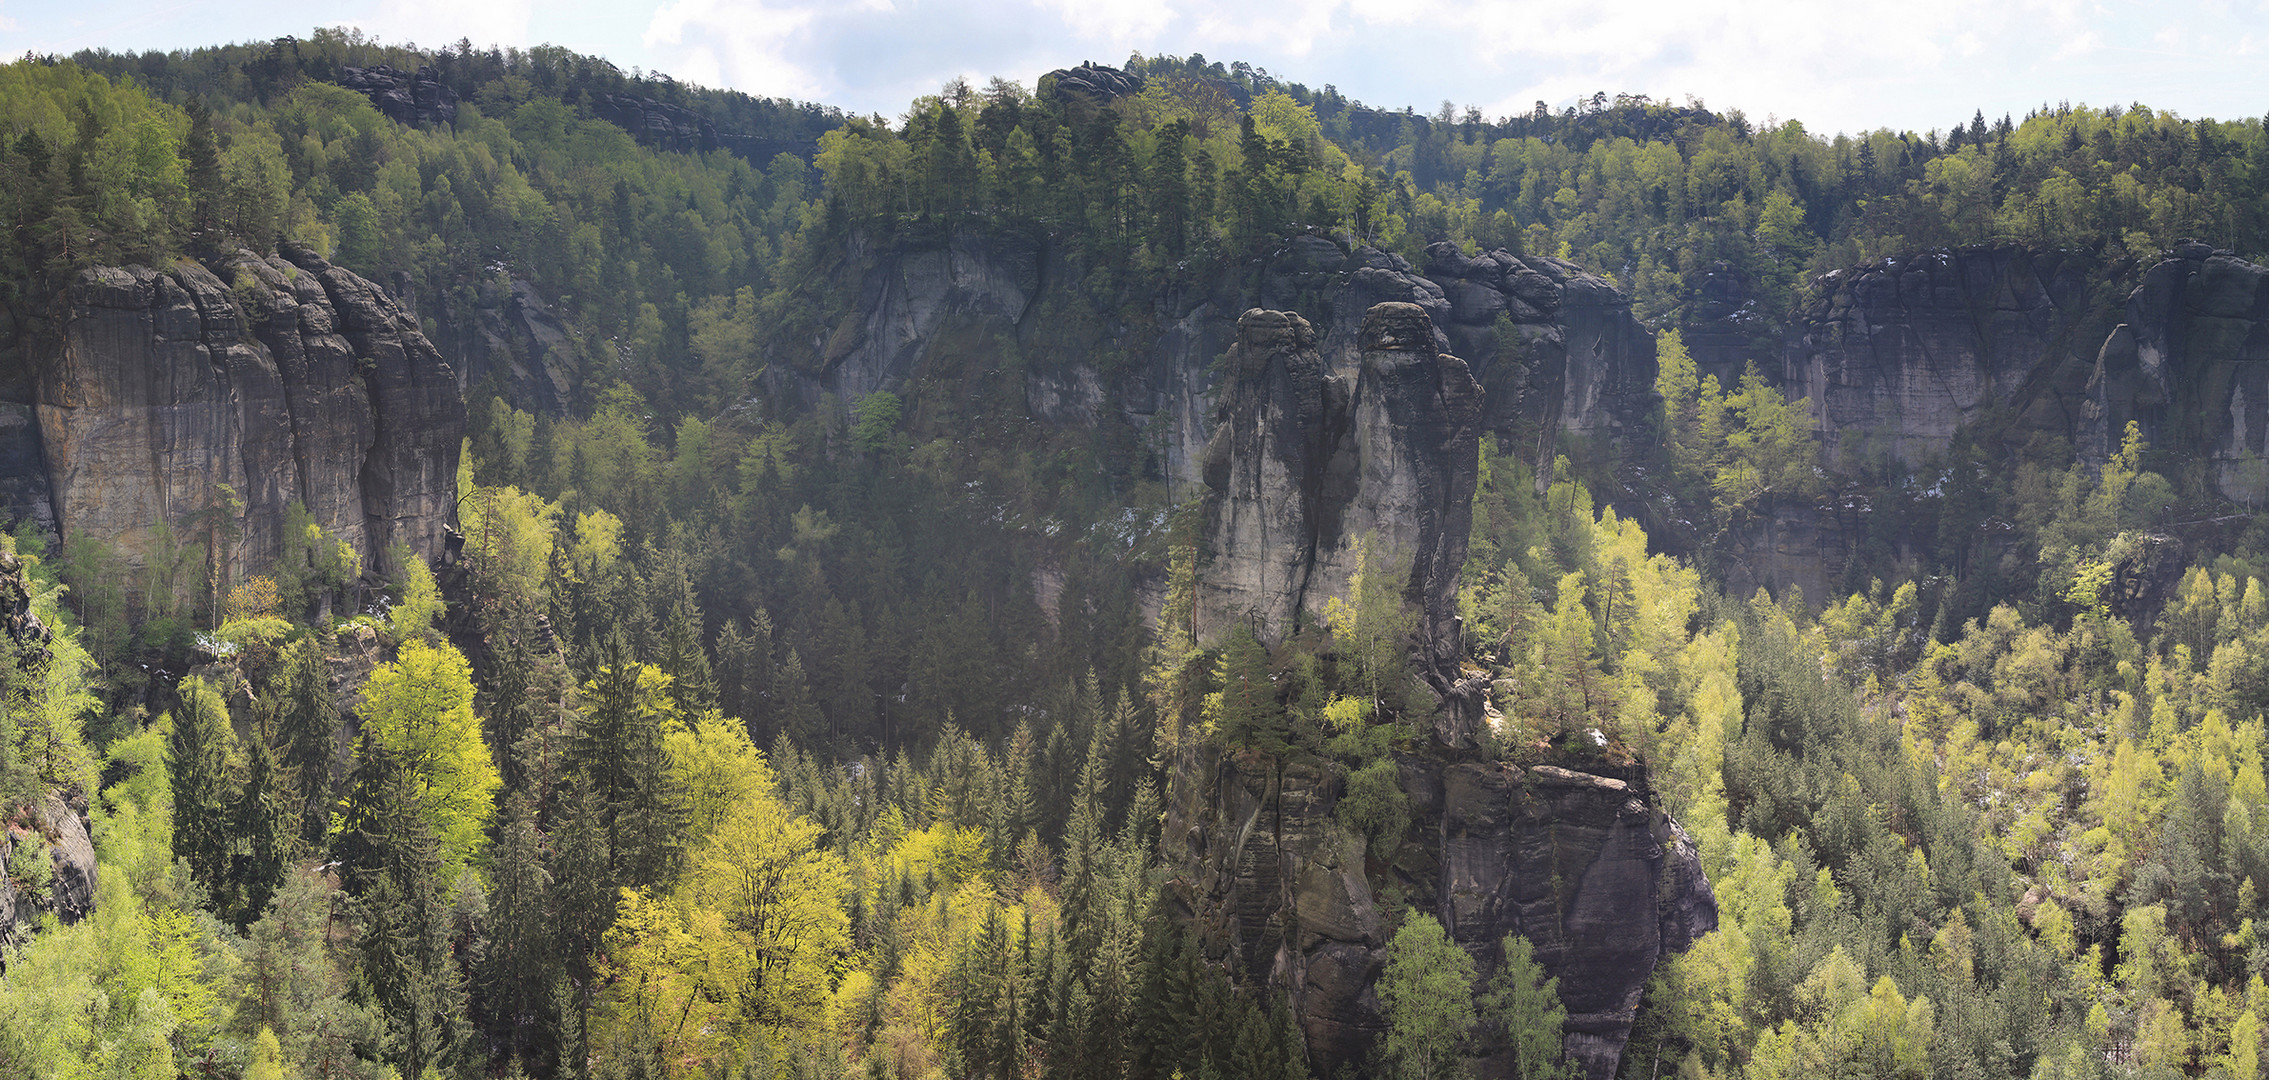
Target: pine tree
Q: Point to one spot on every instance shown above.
(264, 823)
(392, 860)
(205, 789)
(1083, 845)
(204, 176)
(1246, 713)
(307, 730)
(794, 716)
(618, 747)
(745, 675)
(685, 661)
(514, 981)
(584, 887)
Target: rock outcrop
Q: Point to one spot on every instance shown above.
(418, 99)
(1092, 83)
(1306, 469)
(1306, 465)
(658, 124)
(2189, 363)
(1582, 863)
(285, 378)
(56, 832)
(1899, 355)
(502, 336)
(1556, 348)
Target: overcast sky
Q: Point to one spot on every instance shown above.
(1839, 66)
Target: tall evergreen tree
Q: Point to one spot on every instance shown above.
(307, 718)
(264, 823)
(513, 985)
(205, 788)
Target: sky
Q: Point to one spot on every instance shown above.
(1916, 65)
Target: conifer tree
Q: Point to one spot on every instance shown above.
(514, 981)
(205, 789)
(263, 822)
(307, 731)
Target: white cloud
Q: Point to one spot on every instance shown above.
(435, 23)
(1834, 66)
(1111, 20)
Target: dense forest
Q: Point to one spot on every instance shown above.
(753, 739)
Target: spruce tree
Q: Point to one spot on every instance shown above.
(514, 981)
(263, 821)
(205, 789)
(307, 730)
(392, 860)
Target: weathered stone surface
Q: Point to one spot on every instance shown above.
(658, 124)
(1416, 439)
(1555, 348)
(1584, 865)
(1281, 485)
(1303, 468)
(511, 340)
(292, 381)
(1306, 469)
(419, 99)
(69, 893)
(1093, 83)
(1898, 355)
(2189, 363)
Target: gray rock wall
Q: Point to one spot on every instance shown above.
(1555, 348)
(1306, 469)
(2189, 363)
(1582, 864)
(287, 379)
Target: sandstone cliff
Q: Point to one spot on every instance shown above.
(1583, 864)
(1900, 355)
(285, 378)
(1303, 465)
(2012, 351)
(1555, 348)
(2190, 363)
(1305, 468)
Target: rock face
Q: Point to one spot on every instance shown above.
(54, 829)
(419, 99)
(1305, 465)
(507, 338)
(658, 124)
(1094, 83)
(2007, 348)
(1555, 348)
(1898, 356)
(1581, 863)
(2189, 363)
(1306, 468)
(286, 378)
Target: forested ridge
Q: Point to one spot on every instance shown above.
(749, 736)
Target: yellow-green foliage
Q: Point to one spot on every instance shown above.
(746, 945)
(420, 709)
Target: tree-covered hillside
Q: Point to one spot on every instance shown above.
(756, 733)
